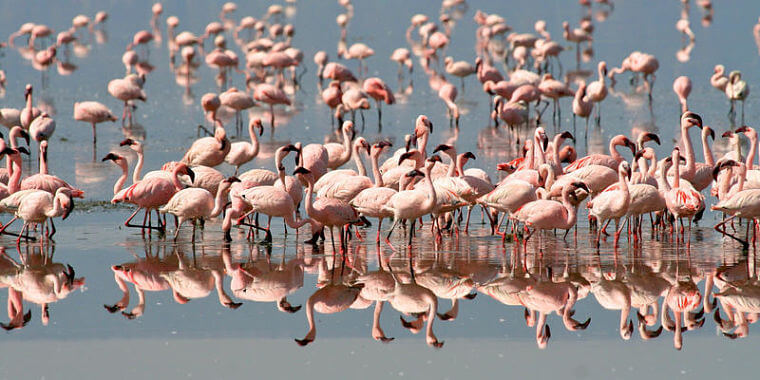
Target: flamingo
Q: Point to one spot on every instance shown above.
(194, 204)
(242, 152)
(339, 154)
(615, 295)
(126, 90)
(736, 89)
(544, 214)
(719, 80)
(152, 193)
(39, 206)
(611, 161)
(682, 88)
(612, 203)
(554, 89)
(369, 202)
(209, 151)
(28, 113)
(93, 113)
(448, 93)
(582, 105)
(597, 90)
(745, 203)
(378, 90)
(271, 95)
(45, 181)
(237, 100)
(328, 212)
(683, 201)
(413, 204)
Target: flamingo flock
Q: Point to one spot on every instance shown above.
(542, 184)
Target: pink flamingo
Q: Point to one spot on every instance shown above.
(719, 80)
(369, 202)
(238, 101)
(597, 90)
(152, 193)
(378, 90)
(242, 152)
(544, 214)
(271, 95)
(611, 161)
(197, 204)
(126, 91)
(42, 128)
(328, 212)
(612, 204)
(209, 151)
(46, 182)
(448, 93)
(314, 158)
(210, 103)
(699, 175)
(271, 201)
(339, 154)
(403, 58)
(682, 88)
(93, 113)
(332, 97)
(582, 106)
(745, 203)
(486, 72)
(413, 204)
(39, 206)
(338, 72)
(554, 89)
(28, 113)
(683, 201)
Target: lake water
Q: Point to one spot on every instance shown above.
(201, 338)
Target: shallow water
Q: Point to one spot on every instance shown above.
(203, 338)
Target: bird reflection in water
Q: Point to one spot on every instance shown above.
(37, 279)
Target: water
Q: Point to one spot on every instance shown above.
(203, 338)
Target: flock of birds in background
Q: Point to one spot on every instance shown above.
(542, 190)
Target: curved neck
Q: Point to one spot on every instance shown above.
(453, 163)
(310, 319)
(175, 179)
(423, 144)
(122, 179)
(663, 177)
(309, 192)
(376, 171)
(460, 165)
(555, 153)
(652, 169)
(254, 141)
(538, 151)
(219, 200)
(530, 157)
(433, 304)
(57, 209)
(569, 208)
(347, 148)
(613, 152)
(359, 163)
(137, 173)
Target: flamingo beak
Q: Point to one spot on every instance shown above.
(442, 148)
(710, 131)
(742, 129)
(191, 174)
(126, 142)
(582, 186)
(68, 209)
(110, 156)
(232, 179)
(470, 155)
(652, 137)
(408, 145)
(567, 135)
(261, 128)
(23, 150)
(405, 156)
(301, 170)
(353, 134)
(727, 134)
(25, 135)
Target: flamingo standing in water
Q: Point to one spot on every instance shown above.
(544, 214)
(611, 161)
(378, 90)
(209, 151)
(597, 90)
(194, 204)
(612, 203)
(93, 113)
(242, 152)
(271, 95)
(39, 206)
(682, 200)
(126, 90)
(369, 202)
(45, 181)
(28, 113)
(413, 204)
(582, 106)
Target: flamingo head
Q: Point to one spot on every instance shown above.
(748, 131)
(25, 135)
(301, 170)
(407, 142)
(361, 142)
(112, 156)
(414, 173)
(433, 159)
(580, 185)
(625, 169)
(382, 145)
(649, 136)
(286, 307)
(348, 129)
(719, 69)
(626, 331)
(722, 165)
(443, 148)
(708, 132)
(27, 91)
(567, 135)
(540, 134)
(690, 119)
(410, 155)
(182, 168)
(469, 156)
(67, 202)
(258, 124)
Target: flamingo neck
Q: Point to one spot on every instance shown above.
(309, 192)
(460, 165)
(750, 161)
(219, 201)
(359, 163)
(690, 164)
(254, 141)
(664, 179)
(29, 102)
(555, 154)
(376, 171)
(676, 175)
(43, 161)
(57, 209)
(347, 148)
(14, 182)
(623, 181)
(310, 319)
(624, 314)
(613, 151)
(453, 165)
(709, 159)
(530, 157)
(569, 208)
(433, 308)
(137, 173)
(175, 179)
(423, 144)
(572, 296)
(122, 179)
(13, 136)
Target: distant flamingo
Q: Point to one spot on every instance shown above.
(242, 152)
(378, 90)
(597, 90)
(448, 93)
(28, 113)
(271, 95)
(93, 113)
(126, 91)
(238, 101)
(682, 88)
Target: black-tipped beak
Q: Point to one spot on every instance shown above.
(405, 156)
(544, 142)
(710, 132)
(604, 71)
(442, 148)
(353, 134)
(470, 155)
(68, 209)
(126, 142)
(8, 150)
(631, 146)
(301, 170)
(434, 158)
(384, 144)
(408, 145)
(727, 134)
(191, 174)
(582, 186)
(567, 135)
(638, 155)
(652, 137)
(110, 156)
(742, 129)
(23, 150)
(260, 127)
(430, 123)
(414, 173)
(628, 172)
(233, 179)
